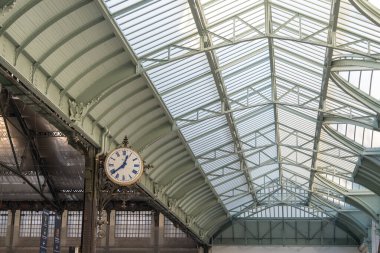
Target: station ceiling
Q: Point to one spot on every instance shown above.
(262, 109)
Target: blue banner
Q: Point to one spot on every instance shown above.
(44, 231)
(57, 234)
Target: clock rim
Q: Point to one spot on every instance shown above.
(120, 182)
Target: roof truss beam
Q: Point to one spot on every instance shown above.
(206, 40)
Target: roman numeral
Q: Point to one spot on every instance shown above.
(117, 175)
(134, 171)
(136, 165)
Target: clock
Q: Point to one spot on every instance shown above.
(123, 166)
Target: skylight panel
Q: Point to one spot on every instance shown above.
(230, 184)
(229, 164)
(297, 121)
(158, 23)
(253, 122)
(176, 74)
(260, 171)
(194, 95)
(318, 10)
(239, 202)
(219, 10)
(211, 140)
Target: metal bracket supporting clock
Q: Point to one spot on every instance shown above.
(118, 174)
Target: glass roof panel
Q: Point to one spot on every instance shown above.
(283, 211)
(245, 100)
(157, 23)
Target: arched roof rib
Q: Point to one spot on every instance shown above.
(256, 106)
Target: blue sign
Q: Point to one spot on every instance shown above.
(57, 234)
(44, 231)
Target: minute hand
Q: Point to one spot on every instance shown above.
(121, 166)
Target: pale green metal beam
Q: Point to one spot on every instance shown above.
(343, 64)
(10, 21)
(333, 22)
(48, 24)
(201, 24)
(74, 57)
(356, 93)
(368, 10)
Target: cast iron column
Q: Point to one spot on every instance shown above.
(88, 243)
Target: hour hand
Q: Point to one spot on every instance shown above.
(113, 171)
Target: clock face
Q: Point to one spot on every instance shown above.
(123, 166)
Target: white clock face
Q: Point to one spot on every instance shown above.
(123, 166)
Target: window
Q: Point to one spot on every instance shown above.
(3, 223)
(133, 224)
(171, 231)
(31, 221)
(74, 223)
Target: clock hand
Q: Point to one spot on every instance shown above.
(122, 166)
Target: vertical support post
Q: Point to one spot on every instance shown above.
(88, 241)
(161, 229)
(108, 230)
(158, 230)
(11, 227)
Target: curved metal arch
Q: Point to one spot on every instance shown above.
(342, 64)
(173, 174)
(201, 201)
(369, 124)
(171, 163)
(210, 223)
(205, 207)
(93, 67)
(362, 205)
(49, 23)
(79, 54)
(147, 106)
(114, 103)
(367, 10)
(210, 216)
(69, 37)
(182, 182)
(367, 173)
(191, 200)
(356, 93)
(160, 130)
(115, 73)
(345, 141)
(351, 226)
(172, 148)
(196, 187)
(116, 86)
(159, 146)
(30, 4)
(159, 119)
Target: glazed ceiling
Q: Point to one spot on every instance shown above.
(247, 109)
